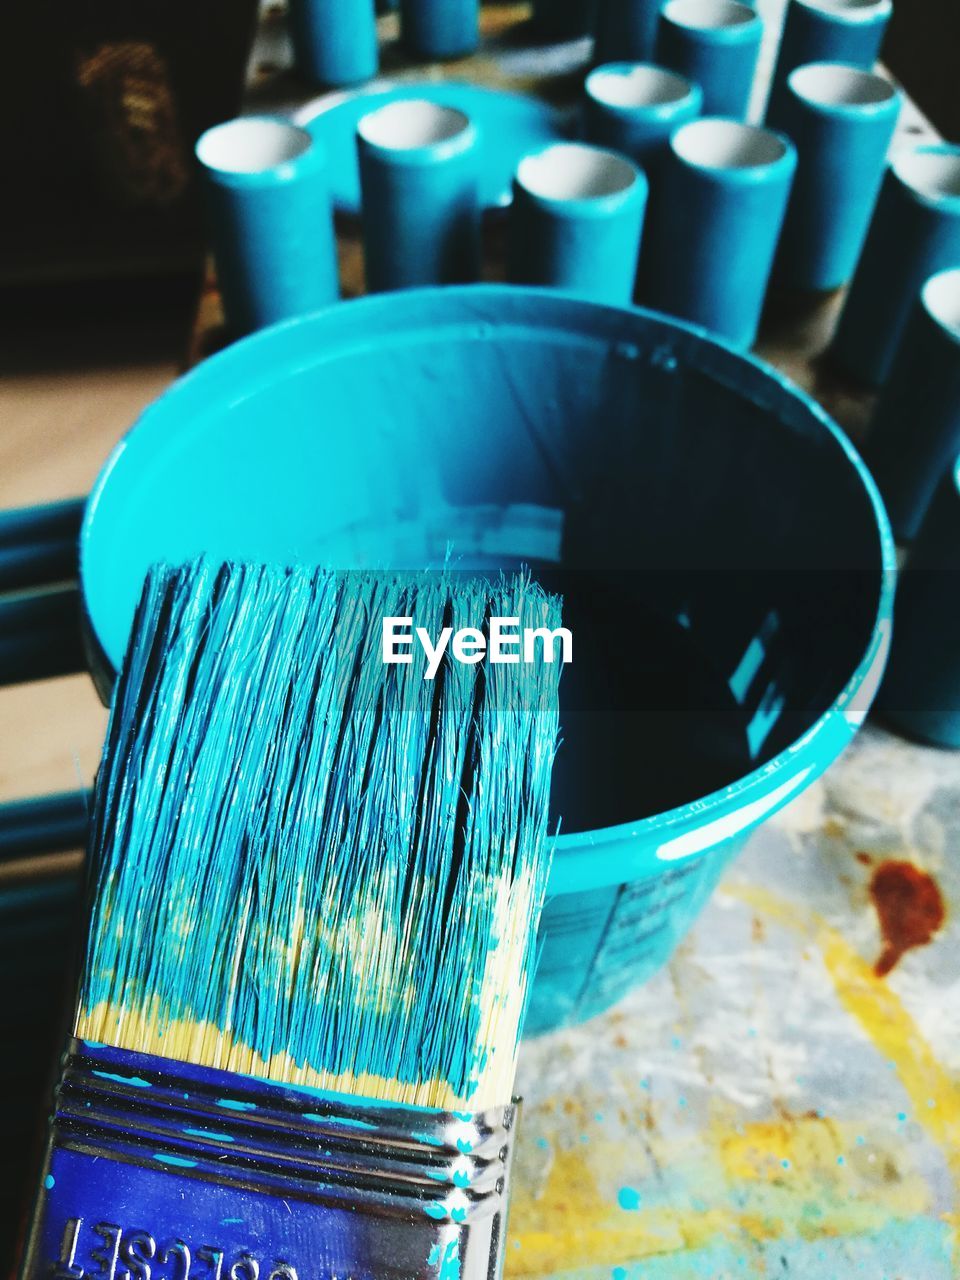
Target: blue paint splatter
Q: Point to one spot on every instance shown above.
(542, 1142)
(208, 1133)
(134, 1081)
(619, 1273)
(49, 1181)
(343, 1122)
(180, 1161)
(628, 1198)
(234, 1104)
(431, 1139)
(435, 1210)
(450, 1267)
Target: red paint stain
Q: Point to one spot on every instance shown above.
(910, 909)
(865, 859)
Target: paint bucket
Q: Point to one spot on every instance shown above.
(728, 637)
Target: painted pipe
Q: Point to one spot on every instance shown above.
(635, 107)
(440, 29)
(848, 31)
(271, 220)
(715, 225)
(916, 428)
(45, 824)
(335, 41)
(921, 692)
(915, 233)
(40, 635)
(716, 44)
(419, 176)
(626, 30)
(842, 121)
(576, 222)
(564, 19)
(39, 545)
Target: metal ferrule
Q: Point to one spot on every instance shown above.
(159, 1170)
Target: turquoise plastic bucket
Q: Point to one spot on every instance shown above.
(720, 523)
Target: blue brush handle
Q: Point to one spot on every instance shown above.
(155, 1168)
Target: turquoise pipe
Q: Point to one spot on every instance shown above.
(841, 120)
(335, 41)
(716, 44)
(921, 691)
(39, 545)
(440, 29)
(564, 19)
(915, 233)
(824, 31)
(271, 220)
(626, 30)
(576, 222)
(634, 108)
(915, 433)
(717, 217)
(420, 184)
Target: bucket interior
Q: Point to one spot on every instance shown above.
(716, 546)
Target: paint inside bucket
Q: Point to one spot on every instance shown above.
(656, 710)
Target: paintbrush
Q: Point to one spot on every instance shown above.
(315, 885)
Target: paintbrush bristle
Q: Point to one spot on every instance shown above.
(310, 866)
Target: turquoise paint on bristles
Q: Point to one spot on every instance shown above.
(311, 866)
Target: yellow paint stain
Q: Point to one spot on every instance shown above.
(818, 1162)
(879, 1011)
(759, 1150)
(574, 1222)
